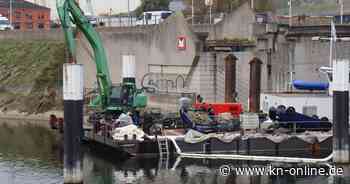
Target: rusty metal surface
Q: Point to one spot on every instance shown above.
(254, 85)
(230, 78)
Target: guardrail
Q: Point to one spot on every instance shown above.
(248, 157)
(128, 21)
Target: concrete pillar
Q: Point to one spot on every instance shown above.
(341, 111)
(254, 85)
(230, 78)
(73, 93)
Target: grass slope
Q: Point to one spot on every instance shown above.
(30, 75)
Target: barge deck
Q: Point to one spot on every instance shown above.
(307, 144)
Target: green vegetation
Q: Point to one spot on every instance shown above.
(30, 75)
(152, 5)
(240, 41)
(263, 5)
(218, 6)
(281, 6)
(301, 7)
(320, 7)
(228, 5)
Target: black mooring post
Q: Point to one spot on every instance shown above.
(341, 111)
(73, 90)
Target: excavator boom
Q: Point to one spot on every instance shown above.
(70, 13)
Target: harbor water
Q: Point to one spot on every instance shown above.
(34, 155)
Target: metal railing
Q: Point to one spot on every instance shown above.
(293, 125)
(312, 20)
(248, 157)
(128, 21)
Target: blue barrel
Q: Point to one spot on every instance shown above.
(307, 85)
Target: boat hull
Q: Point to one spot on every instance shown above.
(252, 146)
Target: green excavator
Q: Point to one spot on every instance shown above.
(111, 100)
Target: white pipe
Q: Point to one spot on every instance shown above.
(341, 11)
(249, 157)
(177, 162)
(331, 45)
(331, 52)
(129, 17)
(290, 13)
(210, 13)
(11, 7)
(192, 13)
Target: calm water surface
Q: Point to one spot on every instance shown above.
(33, 155)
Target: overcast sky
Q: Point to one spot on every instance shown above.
(99, 6)
(103, 6)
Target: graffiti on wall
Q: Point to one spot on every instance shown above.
(160, 82)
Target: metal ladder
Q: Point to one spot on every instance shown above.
(163, 147)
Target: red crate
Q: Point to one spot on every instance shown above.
(234, 108)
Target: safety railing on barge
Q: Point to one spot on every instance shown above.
(249, 157)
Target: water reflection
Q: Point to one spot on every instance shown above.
(187, 171)
(32, 155)
(28, 141)
(29, 154)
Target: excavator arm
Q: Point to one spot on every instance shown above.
(70, 13)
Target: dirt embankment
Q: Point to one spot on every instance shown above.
(30, 76)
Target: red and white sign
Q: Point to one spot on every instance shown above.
(181, 43)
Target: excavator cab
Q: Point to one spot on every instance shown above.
(126, 96)
(122, 97)
(132, 96)
(115, 98)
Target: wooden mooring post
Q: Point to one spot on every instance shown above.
(73, 95)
